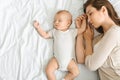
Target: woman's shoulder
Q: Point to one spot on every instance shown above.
(115, 27)
(114, 30)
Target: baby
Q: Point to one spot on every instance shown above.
(64, 45)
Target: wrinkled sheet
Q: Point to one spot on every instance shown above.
(23, 53)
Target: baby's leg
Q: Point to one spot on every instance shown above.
(73, 70)
(50, 69)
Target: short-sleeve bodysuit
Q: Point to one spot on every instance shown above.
(64, 46)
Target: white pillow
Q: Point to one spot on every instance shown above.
(116, 5)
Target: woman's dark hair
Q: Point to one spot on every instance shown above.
(98, 5)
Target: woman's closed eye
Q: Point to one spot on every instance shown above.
(90, 13)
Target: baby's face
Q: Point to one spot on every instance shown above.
(61, 21)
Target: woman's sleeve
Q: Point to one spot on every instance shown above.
(102, 50)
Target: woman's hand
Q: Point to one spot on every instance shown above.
(88, 33)
(81, 23)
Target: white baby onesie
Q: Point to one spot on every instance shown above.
(64, 46)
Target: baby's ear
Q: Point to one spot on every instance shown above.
(70, 22)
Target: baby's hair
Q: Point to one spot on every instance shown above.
(63, 11)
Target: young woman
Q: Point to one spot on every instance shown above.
(104, 56)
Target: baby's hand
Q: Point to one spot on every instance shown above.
(36, 24)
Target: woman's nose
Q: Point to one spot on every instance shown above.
(89, 20)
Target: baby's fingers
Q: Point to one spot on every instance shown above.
(35, 24)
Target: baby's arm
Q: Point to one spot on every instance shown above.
(81, 23)
(40, 30)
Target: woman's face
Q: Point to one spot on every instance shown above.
(95, 17)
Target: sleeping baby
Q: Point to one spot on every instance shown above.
(64, 45)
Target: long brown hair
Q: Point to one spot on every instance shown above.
(98, 5)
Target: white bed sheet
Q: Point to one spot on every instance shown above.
(23, 53)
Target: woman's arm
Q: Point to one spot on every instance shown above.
(84, 48)
(102, 50)
(80, 49)
(88, 36)
(81, 25)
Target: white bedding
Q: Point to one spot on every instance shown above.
(23, 53)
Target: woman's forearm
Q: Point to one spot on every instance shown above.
(80, 49)
(88, 47)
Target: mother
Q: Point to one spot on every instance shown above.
(104, 56)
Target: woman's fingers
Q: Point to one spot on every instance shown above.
(89, 33)
(80, 20)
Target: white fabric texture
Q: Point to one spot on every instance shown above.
(23, 53)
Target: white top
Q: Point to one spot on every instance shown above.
(106, 56)
(64, 43)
